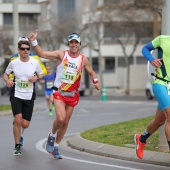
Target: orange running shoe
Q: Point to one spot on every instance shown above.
(139, 146)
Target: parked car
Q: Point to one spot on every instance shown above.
(82, 88)
(149, 92)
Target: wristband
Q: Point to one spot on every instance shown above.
(95, 81)
(34, 43)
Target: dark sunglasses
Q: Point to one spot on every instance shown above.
(23, 49)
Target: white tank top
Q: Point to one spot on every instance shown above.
(68, 73)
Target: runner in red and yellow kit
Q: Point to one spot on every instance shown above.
(68, 74)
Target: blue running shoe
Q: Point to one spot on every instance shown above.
(50, 144)
(56, 153)
(21, 141)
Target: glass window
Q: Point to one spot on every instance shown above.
(95, 64)
(7, 1)
(122, 30)
(20, 1)
(111, 1)
(65, 7)
(121, 62)
(109, 63)
(141, 60)
(27, 20)
(7, 19)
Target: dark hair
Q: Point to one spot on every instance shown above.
(23, 42)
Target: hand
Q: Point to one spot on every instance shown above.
(9, 83)
(33, 79)
(97, 86)
(157, 63)
(33, 35)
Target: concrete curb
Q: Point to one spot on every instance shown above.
(150, 157)
(9, 112)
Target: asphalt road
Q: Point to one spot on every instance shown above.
(91, 112)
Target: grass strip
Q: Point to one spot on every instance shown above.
(122, 134)
(4, 107)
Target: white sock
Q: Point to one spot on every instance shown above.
(53, 135)
(56, 144)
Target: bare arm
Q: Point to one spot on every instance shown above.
(9, 82)
(40, 52)
(91, 73)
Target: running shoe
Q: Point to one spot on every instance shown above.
(21, 141)
(50, 144)
(139, 146)
(17, 150)
(56, 153)
(50, 113)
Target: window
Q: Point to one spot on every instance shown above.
(20, 1)
(121, 62)
(141, 60)
(125, 30)
(7, 19)
(109, 63)
(7, 1)
(95, 64)
(111, 1)
(27, 20)
(65, 7)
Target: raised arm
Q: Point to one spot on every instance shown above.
(40, 52)
(91, 73)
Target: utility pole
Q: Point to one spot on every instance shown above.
(162, 145)
(15, 25)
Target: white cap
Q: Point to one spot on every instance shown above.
(23, 39)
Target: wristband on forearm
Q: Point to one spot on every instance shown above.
(34, 43)
(95, 81)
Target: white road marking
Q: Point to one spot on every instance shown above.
(39, 146)
(84, 110)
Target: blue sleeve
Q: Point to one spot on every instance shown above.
(146, 51)
(14, 55)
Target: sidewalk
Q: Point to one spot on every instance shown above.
(150, 157)
(124, 153)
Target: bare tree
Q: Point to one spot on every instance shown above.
(126, 22)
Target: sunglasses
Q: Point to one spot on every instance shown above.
(74, 36)
(23, 49)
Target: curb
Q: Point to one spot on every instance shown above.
(9, 112)
(155, 158)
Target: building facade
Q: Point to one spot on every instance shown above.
(102, 31)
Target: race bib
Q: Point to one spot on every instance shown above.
(21, 84)
(68, 77)
(49, 84)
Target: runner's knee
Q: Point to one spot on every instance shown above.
(25, 124)
(18, 119)
(159, 122)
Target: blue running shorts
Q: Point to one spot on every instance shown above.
(48, 92)
(161, 93)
